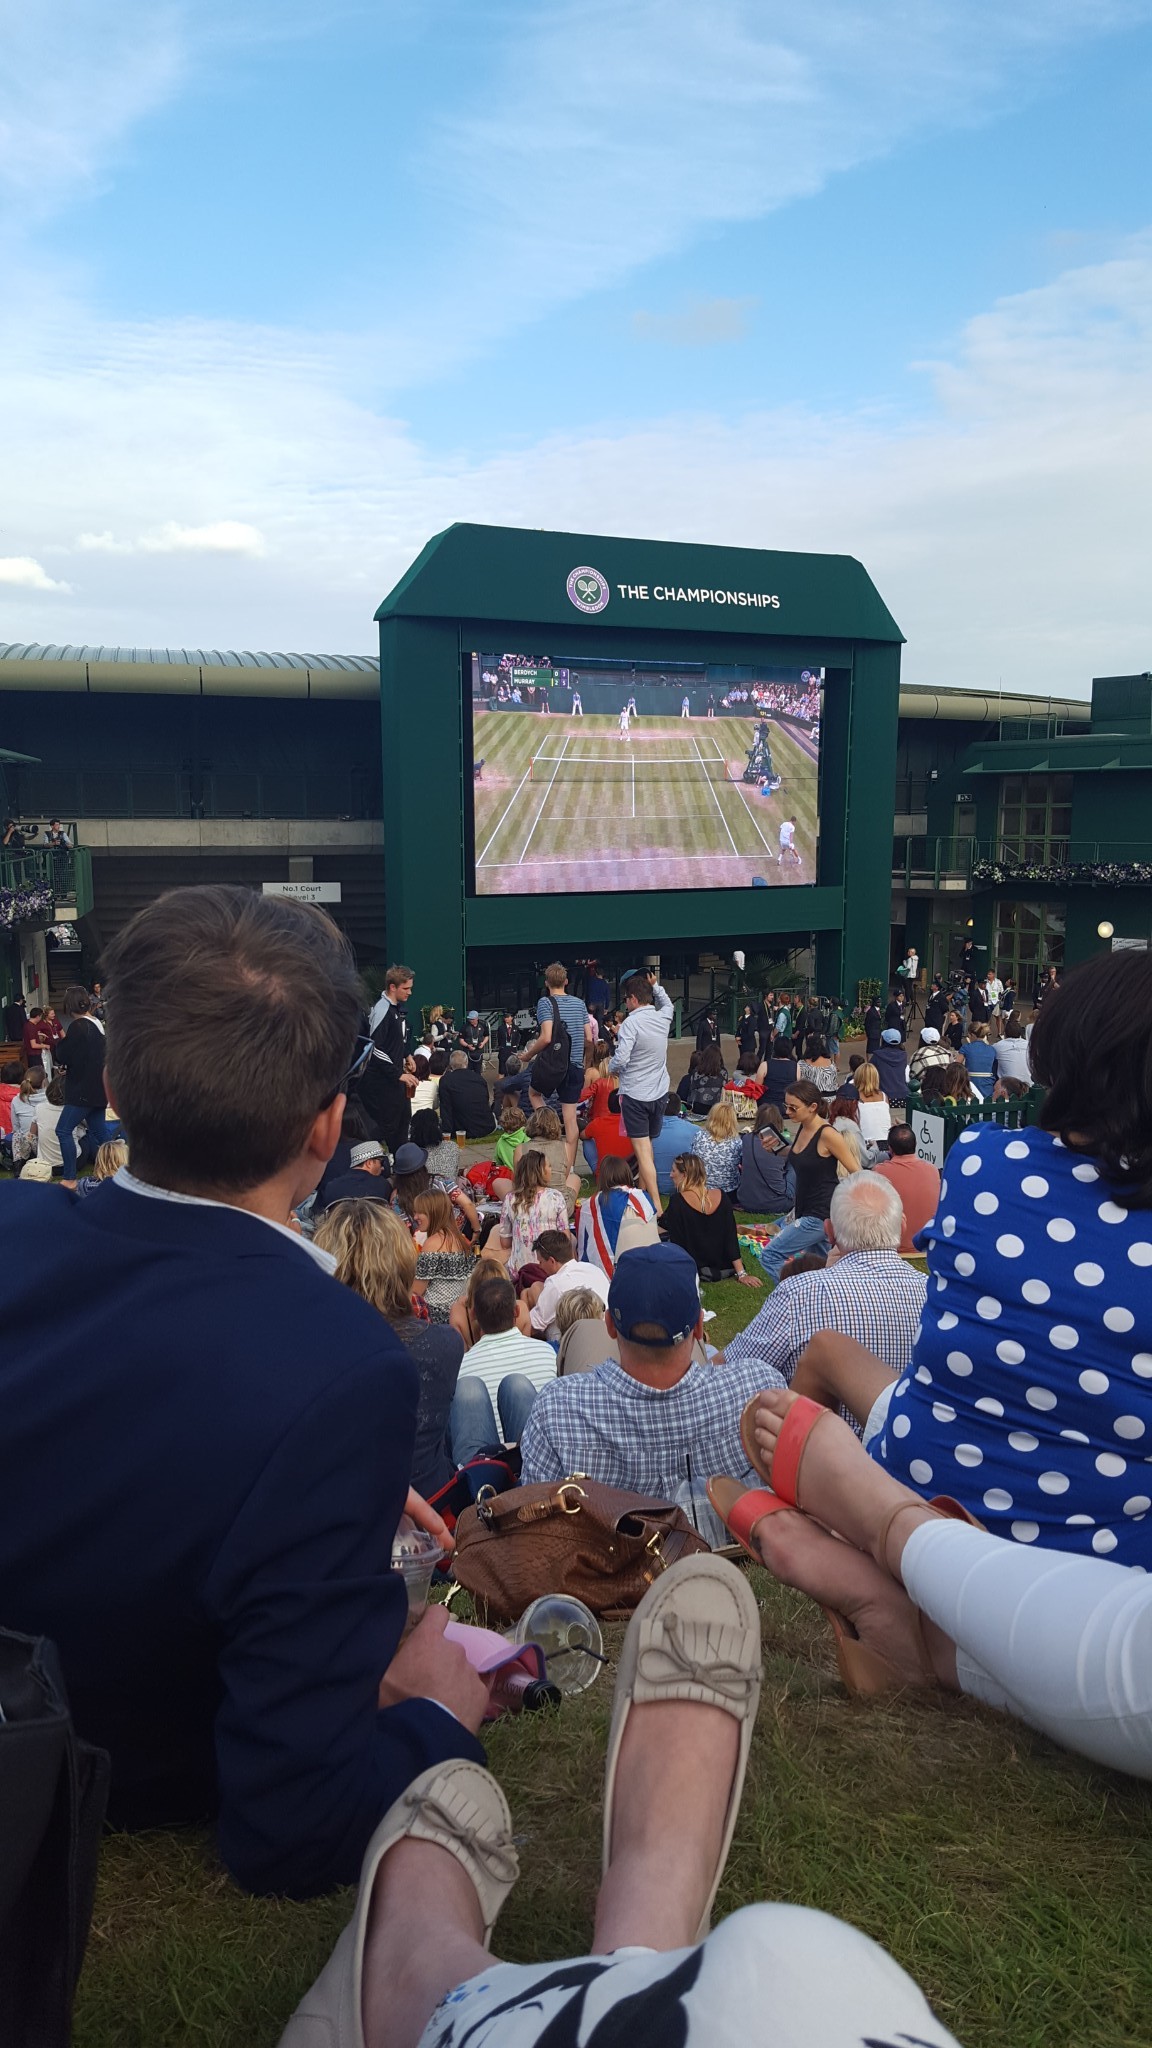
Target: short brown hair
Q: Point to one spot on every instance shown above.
(493, 1300)
(556, 976)
(393, 976)
(554, 1244)
(231, 1022)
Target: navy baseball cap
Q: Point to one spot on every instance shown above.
(655, 1285)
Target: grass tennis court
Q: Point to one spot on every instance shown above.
(565, 803)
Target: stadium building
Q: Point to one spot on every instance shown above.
(1018, 821)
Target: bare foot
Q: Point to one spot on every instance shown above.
(798, 1552)
(840, 1485)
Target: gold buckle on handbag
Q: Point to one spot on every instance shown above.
(569, 1486)
(655, 1549)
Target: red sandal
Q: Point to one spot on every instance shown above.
(863, 1671)
(797, 1427)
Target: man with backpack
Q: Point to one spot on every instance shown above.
(556, 1054)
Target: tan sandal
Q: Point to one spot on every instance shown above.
(461, 1808)
(694, 1636)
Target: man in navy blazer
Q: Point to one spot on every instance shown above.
(207, 1440)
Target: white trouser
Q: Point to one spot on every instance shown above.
(768, 1977)
(1064, 1643)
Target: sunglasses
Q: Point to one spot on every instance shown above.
(359, 1064)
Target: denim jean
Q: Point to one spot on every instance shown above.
(71, 1115)
(472, 1426)
(797, 1237)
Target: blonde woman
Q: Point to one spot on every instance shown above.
(533, 1205)
(376, 1257)
(875, 1109)
(445, 1258)
(584, 1339)
(717, 1146)
(702, 1221)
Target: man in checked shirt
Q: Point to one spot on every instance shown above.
(652, 1419)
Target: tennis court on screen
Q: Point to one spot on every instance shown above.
(565, 803)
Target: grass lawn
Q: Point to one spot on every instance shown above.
(1009, 1879)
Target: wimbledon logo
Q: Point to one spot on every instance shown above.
(588, 590)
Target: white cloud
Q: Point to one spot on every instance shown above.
(218, 537)
(22, 572)
(77, 75)
(1007, 529)
(704, 323)
(611, 136)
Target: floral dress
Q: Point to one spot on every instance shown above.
(546, 1211)
(721, 1157)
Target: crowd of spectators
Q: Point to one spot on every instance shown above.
(309, 1301)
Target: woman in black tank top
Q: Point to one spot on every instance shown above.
(817, 1151)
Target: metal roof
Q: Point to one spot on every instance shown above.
(186, 657)
(207, 671)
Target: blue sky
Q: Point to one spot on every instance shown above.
(291, 287)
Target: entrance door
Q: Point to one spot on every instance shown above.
(1029, 938)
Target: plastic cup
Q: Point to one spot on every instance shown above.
(415, 1555)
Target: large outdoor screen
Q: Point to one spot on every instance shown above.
(607, 775)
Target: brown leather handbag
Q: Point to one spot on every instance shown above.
(573, 1536)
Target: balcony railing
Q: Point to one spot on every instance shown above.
(320, 790)
(65, 874)
(1063, 861)
(923, 864)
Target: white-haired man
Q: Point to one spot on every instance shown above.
(866, 1291)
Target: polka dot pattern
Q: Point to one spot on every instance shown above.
(1044, 1347)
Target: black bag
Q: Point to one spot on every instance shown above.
(551, 1064)
(53, 1792)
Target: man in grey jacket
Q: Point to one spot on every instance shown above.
(641, 1062)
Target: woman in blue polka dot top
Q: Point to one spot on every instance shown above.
(1029, 1395)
